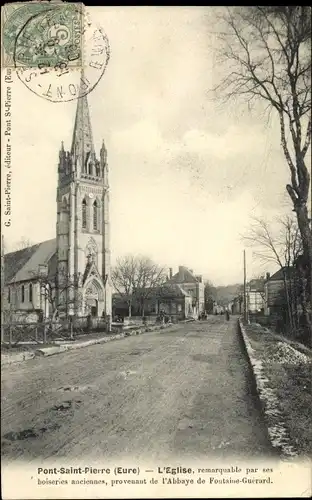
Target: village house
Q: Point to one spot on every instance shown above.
(181, 296)
(237, 305)
(255, 295)
(193, 285)
(168, 299)
(274, 289)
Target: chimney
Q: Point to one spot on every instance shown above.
(181, 273)
(267, 276)
(192, 271)
(170, 273)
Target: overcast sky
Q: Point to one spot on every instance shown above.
(185, 173)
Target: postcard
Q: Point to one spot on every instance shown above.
(156, 251)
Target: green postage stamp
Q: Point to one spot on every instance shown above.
(42, 34)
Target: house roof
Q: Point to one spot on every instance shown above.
(256, 285)
(279, 275)
(172, 290)
(21, 265)
(168, 290)
(184, 275)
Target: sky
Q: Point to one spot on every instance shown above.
(186, 174)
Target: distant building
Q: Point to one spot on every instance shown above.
(217, 308)
(193, 285)
(237, 305)
(169, 299)
(255, 295)
(181, 296)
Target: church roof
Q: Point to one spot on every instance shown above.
(23, 264)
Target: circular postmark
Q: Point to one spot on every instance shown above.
(60, 54)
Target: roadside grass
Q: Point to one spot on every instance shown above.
(288, 368)
(292, 385)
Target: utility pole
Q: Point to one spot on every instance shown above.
(245, 292)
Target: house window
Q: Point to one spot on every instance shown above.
(9, 295)
(23, 294)
(30, 292)
(84, 214)
(95, 215)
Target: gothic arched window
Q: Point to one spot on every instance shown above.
(84, 214)
(30, 292)
(23, 294)
(9, 295)
(95, 215)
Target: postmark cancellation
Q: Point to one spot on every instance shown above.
(55, 48)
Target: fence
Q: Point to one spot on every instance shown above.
(15, 333)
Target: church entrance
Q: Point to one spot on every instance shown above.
(93, 307)
(93, 299)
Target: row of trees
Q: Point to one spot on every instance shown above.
(135, 277)
(279, 242)
(267, 56)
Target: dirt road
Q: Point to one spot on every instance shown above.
(181, 392)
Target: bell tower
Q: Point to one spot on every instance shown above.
(82, 229)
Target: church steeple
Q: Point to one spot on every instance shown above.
(83, 220)
(82, 144)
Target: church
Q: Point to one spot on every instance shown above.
(70, 274)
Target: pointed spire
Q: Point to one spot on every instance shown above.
(62, 151)
(82, 142)
(103, 153)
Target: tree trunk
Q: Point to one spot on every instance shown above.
(142, 307)
(306, 236)
(129, 309)
(305, 230)
(305, 270)
(288, 301)
(304, 301)
(294, 302)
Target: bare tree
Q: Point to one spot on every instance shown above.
(149, 276)
(210, 292)
(60, 291)
(281, 246)
(23, 243)
(136, 277)
(123, 276)
(267, 51)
